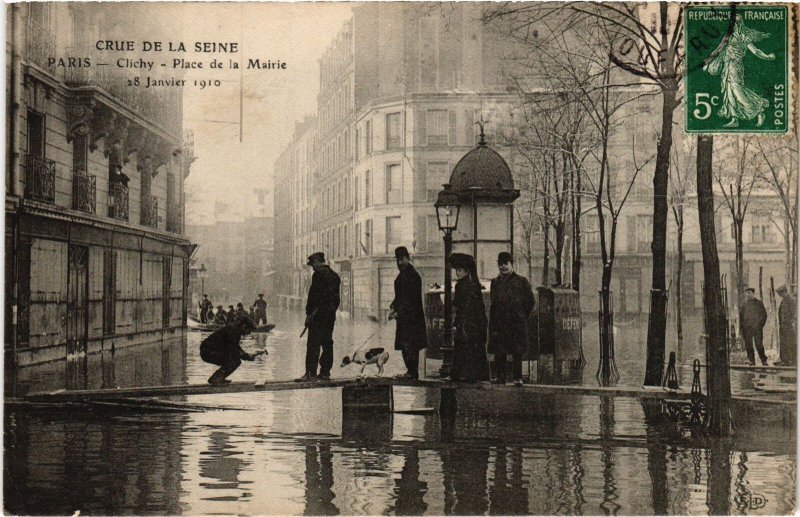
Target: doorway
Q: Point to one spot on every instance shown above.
(78, 300)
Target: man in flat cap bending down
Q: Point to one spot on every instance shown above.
(411, 336)
(323, 300)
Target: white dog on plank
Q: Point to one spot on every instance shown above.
(376, 356)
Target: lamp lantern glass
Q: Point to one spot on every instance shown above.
(447, 209)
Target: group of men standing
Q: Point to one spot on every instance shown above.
(753, 318)
(512, 302)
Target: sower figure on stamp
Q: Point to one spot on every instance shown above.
(323, 300)
(752, 318)
(406, 309)
(222, 349)
(469, 322)
(260, 306)
(512, 303)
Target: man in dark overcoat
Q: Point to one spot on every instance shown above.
(787, 326)
(323, 300)
(512, 303)
(406, 309)
(260, 306)
(469, 322)
(222, 348)
(752, 318)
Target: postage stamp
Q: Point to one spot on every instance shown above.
(737, 69)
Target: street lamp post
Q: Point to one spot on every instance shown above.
(202, 273)
(447, 208)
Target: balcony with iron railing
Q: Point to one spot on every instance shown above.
(40, 179)
(84, 192)
(149, 215)
(159, 105)
(118, 201)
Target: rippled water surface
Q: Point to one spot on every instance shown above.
(296, 453)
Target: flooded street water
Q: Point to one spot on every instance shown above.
(295, 452)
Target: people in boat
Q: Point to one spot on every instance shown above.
(240, 312)
(260, 309)
(219, 317)
(231, 314)
(222, 348)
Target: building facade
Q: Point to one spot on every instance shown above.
(420, 79)
(96, 257)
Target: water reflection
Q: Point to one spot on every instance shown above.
(293, 453)
(409, 489)
(222, 464)
(508, 494)
(319, 481)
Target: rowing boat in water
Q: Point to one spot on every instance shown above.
(196, 325)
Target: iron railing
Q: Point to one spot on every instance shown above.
(118, 201)
(149, 211)
(84, 192)
(40, 179)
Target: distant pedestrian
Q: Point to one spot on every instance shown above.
(323, 301)
(222, 349)
(206, 307)
(787, 326)
(231, 314)
(752, 318)
(469, 322)
(260, 309)
(411, 335)
(512, 303)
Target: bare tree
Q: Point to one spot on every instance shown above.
(777, 167)
(737, 187)
(681, 184)
(647, 48)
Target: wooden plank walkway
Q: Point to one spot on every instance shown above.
(247, 387)
(121, 394)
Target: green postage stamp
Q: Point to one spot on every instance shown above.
(737, 69)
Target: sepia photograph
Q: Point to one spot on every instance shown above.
(400, 258)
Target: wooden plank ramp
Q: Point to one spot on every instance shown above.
(250, 387)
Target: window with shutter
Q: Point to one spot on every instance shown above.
(393, 184)
(435, 177)
(436, 127)
(394, 137)
(36, 142)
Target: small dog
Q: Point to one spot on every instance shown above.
(376, 356)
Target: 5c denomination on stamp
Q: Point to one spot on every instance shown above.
(737, 69)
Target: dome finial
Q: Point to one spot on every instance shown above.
(481, 123)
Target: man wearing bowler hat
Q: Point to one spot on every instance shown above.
(323, 300)
(512, 303)
(411, 336)
(752, 318)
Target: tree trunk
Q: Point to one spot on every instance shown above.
(738, 225)
(718, 376)
(559, 251)
(679, 286)
(576, 214)
(657, 322)
(546, 256)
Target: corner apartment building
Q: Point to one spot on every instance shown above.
(96, 256)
